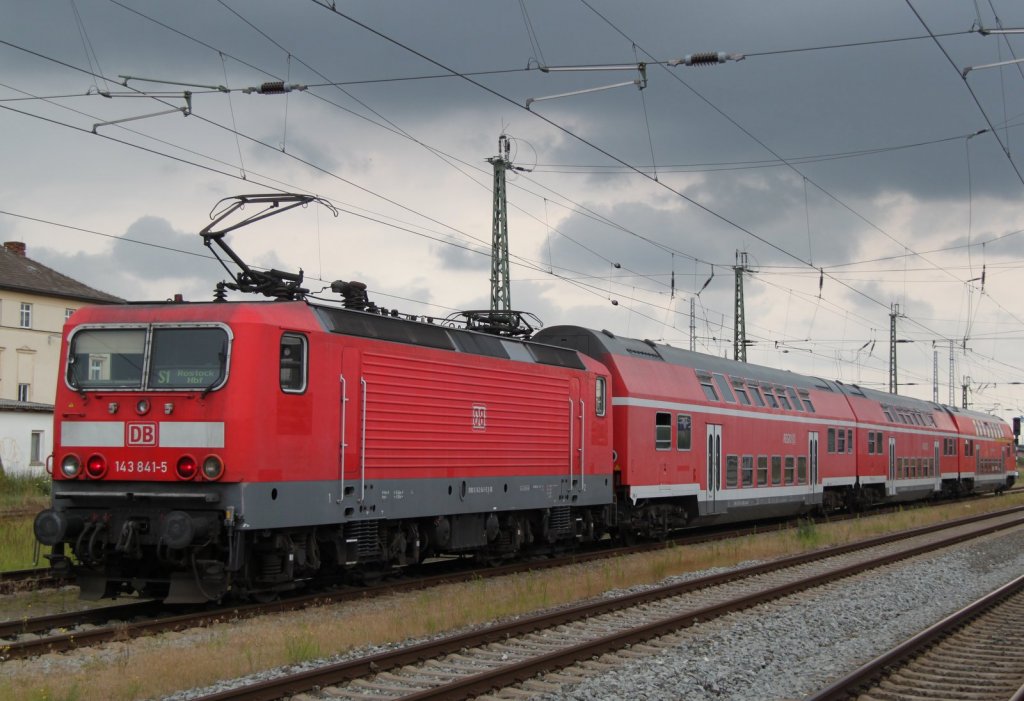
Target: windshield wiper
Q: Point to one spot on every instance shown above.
(222, 360)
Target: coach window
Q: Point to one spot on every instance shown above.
(776, 469)
(755, 394)
(683, 431)
(762, 470)
(871, 442)
(723, 388)
(663, 431)
(841, 443)
(770, 398)
(781, 395)
(709, 389)
(831, 440)
(796, 401)
(790, 463)
(748, 470)
(731, 469)
(293, 362)
(805, 396)
(801, 469)
(601, 387)
(849, 440)
(741, 392)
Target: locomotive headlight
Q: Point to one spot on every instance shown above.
(70, 466)
(142, 407)
(213, 467)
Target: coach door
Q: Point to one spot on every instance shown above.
(890, 485)
(812, 459)
(937, 468)
(714, 453)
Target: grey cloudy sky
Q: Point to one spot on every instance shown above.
(882, 197)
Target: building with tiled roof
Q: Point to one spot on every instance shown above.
(35, 301)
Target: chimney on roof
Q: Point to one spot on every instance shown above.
(15, 247)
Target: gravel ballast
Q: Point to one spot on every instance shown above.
(792, 648)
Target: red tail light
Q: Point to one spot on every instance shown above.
(187, 467)
(96, 466)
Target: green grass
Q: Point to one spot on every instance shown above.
(20, 499)
(17, 544)
(18, 493)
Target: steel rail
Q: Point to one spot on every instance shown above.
(866, 674)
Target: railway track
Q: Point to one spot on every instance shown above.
(30, 637)
(498, 656)
(13, 581)
(982, 642)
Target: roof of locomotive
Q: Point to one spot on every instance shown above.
(378, 325)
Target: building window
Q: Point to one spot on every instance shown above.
(36, 448)
(23, 392)
(25, 320)
(68, 311)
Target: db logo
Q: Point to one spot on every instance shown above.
(141, 433)
(479, 417)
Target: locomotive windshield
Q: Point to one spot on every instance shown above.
(156, 358)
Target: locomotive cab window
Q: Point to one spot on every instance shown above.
(188, 358)
(601, 390)
(177, 358)
(105, 358)
(293, 363)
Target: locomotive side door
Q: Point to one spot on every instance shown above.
(351, 414)
(577, 437)
(714, 462)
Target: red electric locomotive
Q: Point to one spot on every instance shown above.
(208, 447)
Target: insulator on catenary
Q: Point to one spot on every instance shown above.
(275, 87)
(704, 58)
